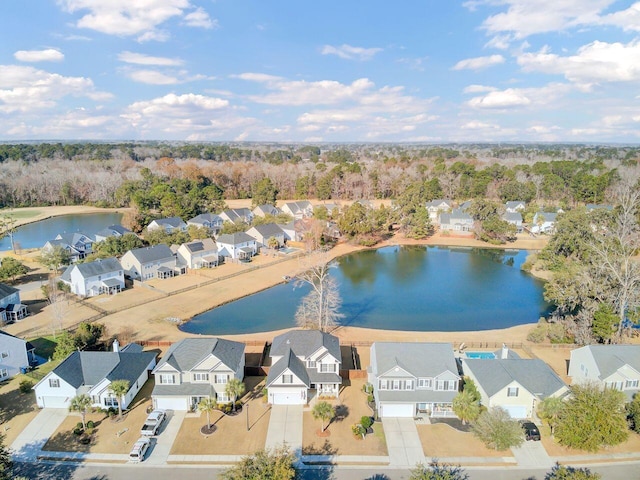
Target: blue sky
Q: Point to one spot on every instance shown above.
(410, 71)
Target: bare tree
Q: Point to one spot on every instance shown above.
(320, 307)
(59, 305)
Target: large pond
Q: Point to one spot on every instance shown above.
(402, 288)
(35, 235)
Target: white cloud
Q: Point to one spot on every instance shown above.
(349, 52)
(47, 55)
(142, 59)
(200, 18)
(257, 77)
(152, 77)
(479, 63)
(536, 97)
(477, 125)
(628, 20)
(510, 97)
(416, 63)
(478, 89)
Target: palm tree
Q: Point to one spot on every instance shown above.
(234, 389)
(119, 388)
(273, 243)
(466, 407)
(324, 412)
(81, 404)
(207, 405)
(549, 410)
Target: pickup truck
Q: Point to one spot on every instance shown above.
(153, 422)
(139, 450)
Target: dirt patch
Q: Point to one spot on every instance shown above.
(440, 441)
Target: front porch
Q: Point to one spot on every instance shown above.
(434, 410)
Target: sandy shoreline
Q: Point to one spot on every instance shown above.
(56, 211)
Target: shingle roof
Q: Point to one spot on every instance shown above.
(152, 254)
(73, 238)
(206, 244)
(512, 217)
(235, 238)
(205, 217)
(514, 204)
(533, 374)
(174, 222)
(610, 358)
(269, 230)
(97, 267)
(289, 361)
(547, 216)
(419, 359)
(305, 343)
(188, 353)
(111, 230)
(6, 290)
(438, 202)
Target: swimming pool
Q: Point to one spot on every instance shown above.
(480, 355)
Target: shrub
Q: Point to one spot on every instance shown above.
(537, 334)
(358, 430)
(77, 431)
(80, 425)
(90, 424)
(370, 398)
(25, 386)
(497, 430)
(367, 388)
(366, 422)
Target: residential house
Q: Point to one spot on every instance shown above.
(95, 278)
(304, 363)
(515, 206)
(145, 263)
(611, 366)
(596, 206)
(237, 215)
(11, 309)
(263, 233)
(91, 373)
(264, 210)
(198, 254)
(237, 246)
(16, 355)
(515, 384)
(210, 221)
(436, 207)
(413, 379)
(464, 206)
(298, 210)
(514, 218)
(77, 244)
(169, 225)
(111, 231)
(289, 230)
(332, 209)
(194, 369)
(456, 221)
(544, 222)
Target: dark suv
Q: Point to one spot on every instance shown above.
(531, 432)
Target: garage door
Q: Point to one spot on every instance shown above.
(290, 398)
(516, 411)
(397, 410)
(55, 402)
(171, 403)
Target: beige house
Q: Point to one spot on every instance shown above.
(198, 254)
(150, 262)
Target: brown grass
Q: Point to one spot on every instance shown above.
(554, 449)
(556, 357)
(17, 409)
(440, 441)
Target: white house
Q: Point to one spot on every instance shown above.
(11, 309)
(514, 218)
(77, 244)
(210, 221)
(15, 354)
(169, 225)
(544, 222)
(95, 278)
(456, 221)
(515, 206)
(194, 369)
(237, 246)
(436, 207)
(289, 230)
(611, 366)
(413, 379)
(303, 363)
(150, 262)
(263, 233)
(298, 210)
(112, 231)
(91, 373)
(198, 254)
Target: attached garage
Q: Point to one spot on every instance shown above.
(171, 403)
(397, 410)
(289, 397)
(516, 411)
(55, 402)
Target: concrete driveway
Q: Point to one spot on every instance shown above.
(285, 426)
(29, 443)
(532, 454)
(403, 442)
(162, 443)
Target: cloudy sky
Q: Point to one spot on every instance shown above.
(416, 71)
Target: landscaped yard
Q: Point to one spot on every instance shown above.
(231, 436)
(109, 435)
(440, 440)
(341, 441)
(632, 445)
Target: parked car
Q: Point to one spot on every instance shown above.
(139, 450)
(153, 423)
(531, 431)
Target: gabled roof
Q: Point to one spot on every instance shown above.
(93, 269)
(188, 353)
(113, 230)
(289, 361)
(269, 230)
(512, 217)
(206, 217)
(267, 209)
(610, 358)
(533, 374)
(204, 245)
(90, 368)
(174, 222)
(421, 359)
(438, 203)
(235, 238)
(514, 203)
(299, 206)
(597, 206)
(305, 343)
(236, 214)
(152, 254)
(7, 290)
(73, 239)
(29, 345)
(547, 216)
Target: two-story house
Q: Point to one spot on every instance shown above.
(112, 231)
(146, 263)
(515, 206)
(514, 218)
(11, 309)
(198, 254)
(303, 363)
(544, 222)
(194, 369)
(515, 384)
(237, 246)
(264, 210)
(436, 207)
(210, 221)
(456, 221)
(91, 373)
(95, 278)
(298, 210)
(611, 366)
(237, 215)
(169, 225)
(77, 244)
(413, 379)
(264, 233)
(16, 354)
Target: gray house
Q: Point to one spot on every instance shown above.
(77, 244)
(514, 218)
(112, 231)
(413, 379)
(264, 210)
(15, 354)
(10, 307)
(437, 207)
(544, 222)
(169, 225)
(456, 221)
(262, 234)
(210, 221)
(151, 262)
(237, 215)
(515, 206)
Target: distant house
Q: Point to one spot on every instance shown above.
(169, 225)
(464, 206)
(194, 369)
(16, 354)
(514, 218)
(91, 373)
(264, 210)
(262, 234)
(237, 246)
(11, 309)
(77, 244)
(610, 366)
(95, 278)
(456, 221)
(237, 215)
(112, 231)
(595, 206)
(544, 222)
(436, 207)
(289, 230)
(151, 262)
(515, 206)
(413, 379)
(199, 253)
(304, 363)
(298, 210)
(332, 208)
(210, 221)
(515, 384)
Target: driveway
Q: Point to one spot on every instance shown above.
(29, 443)
(403, 442)
(285, 426)
(532, 454)
(161, 444)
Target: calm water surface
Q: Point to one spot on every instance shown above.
(35, 235)
(402, 288)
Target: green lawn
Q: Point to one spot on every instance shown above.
(44, 346)
(21, 214)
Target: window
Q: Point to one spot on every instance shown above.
(200, 377)
(54, 383)
(3, 373)
(631, 384)
(110, 402)
(396, 384)
(287, 378)
(311, 364)
(424, 383)
(223, 397)
(167, 379)
(4, 354)
(327, 368)
(512, 392)
(222, 378)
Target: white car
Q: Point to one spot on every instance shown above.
(139, 450)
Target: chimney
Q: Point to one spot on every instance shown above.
(505, 352)
(116, 346)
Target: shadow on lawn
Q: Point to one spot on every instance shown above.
(342, 412)
(325, 449)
